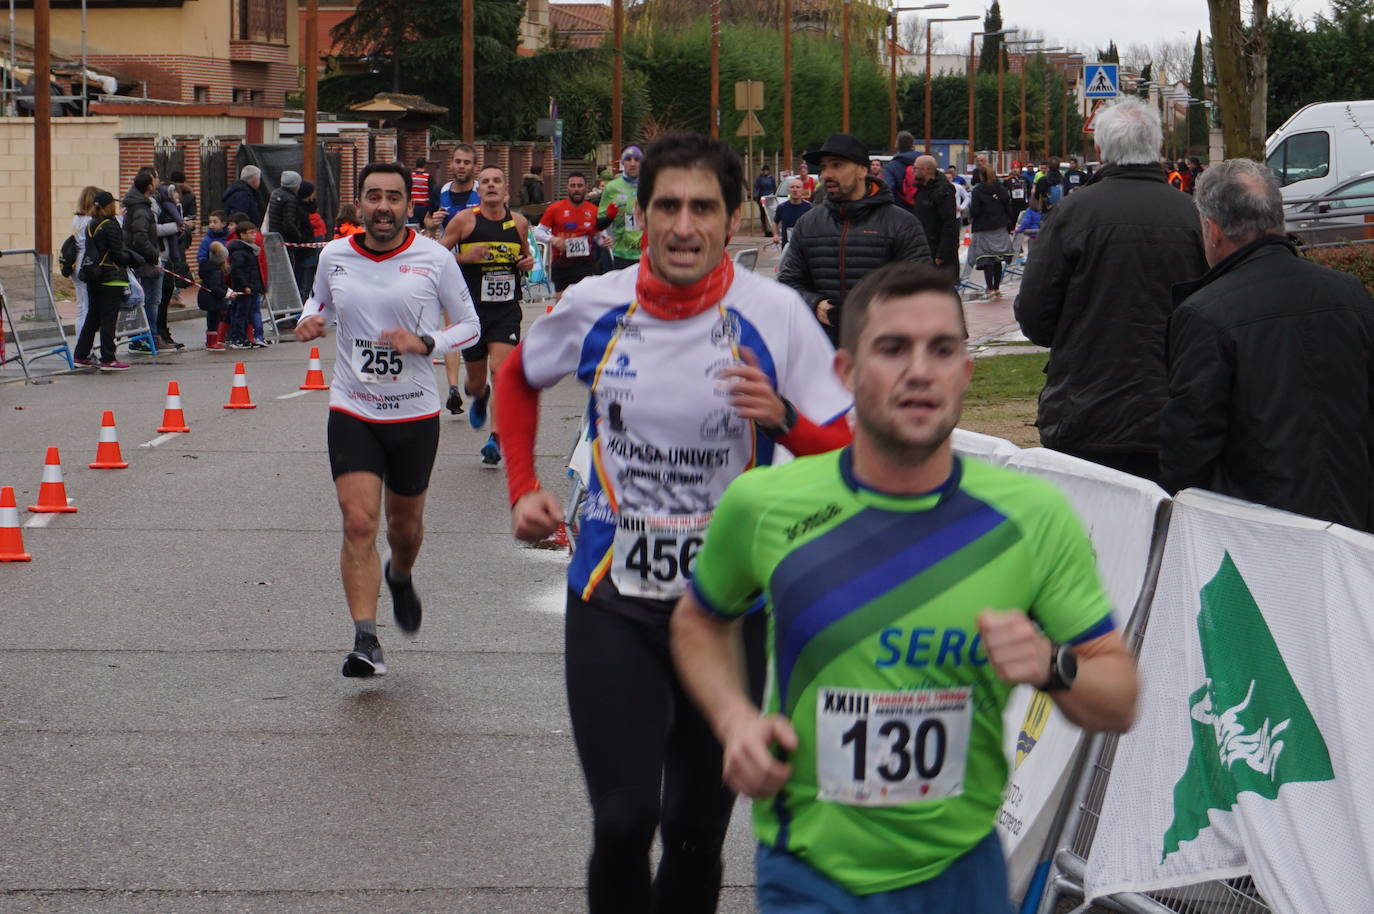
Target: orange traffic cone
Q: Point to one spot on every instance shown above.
(173, 419)
(52, 494)
(314, 375)
(238, 394)
(107, 456)
(11, 538)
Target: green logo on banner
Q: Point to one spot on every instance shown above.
(1251, 729)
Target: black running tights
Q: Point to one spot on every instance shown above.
(651, 763)
(993, 274)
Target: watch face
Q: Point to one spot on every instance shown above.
(1068, 664)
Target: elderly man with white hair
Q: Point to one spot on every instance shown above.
(1271, 364)
(1098, 294)
(242, 195)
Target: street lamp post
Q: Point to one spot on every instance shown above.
(929, 23)
(1045, 94)
(1021, 146)
(1001, 56)
(892, 64)
(971, 144)
(844, 66)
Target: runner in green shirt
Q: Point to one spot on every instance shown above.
(625, 229)
(907, 592)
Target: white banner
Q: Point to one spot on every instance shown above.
(1118, 511)
(1251, 751)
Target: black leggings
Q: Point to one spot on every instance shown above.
(992, 272)
(650, 760)
(102, 313)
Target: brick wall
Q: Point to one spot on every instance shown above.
(414, 144)
(135, 152)
(174, 77)
(84, 151)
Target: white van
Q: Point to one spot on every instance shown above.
(1320, 146)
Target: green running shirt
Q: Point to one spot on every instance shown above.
(625, 232)
(875, 653)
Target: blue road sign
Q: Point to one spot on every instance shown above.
(1102, 80)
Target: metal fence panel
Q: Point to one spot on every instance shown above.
(34, 340)
(283, 298)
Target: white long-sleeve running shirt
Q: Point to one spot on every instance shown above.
(416, 286)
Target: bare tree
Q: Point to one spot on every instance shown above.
(1241, 53)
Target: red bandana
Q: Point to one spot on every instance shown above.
(668, 302)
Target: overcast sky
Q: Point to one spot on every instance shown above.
(1089, 25)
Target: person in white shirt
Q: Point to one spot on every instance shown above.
(391, 291)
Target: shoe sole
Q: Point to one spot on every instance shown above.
(403, 624)
(358, 665)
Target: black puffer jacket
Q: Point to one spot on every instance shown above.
(1097, 291)
(835, 245)
(1271, 386)
(244, 274)
(140, 232)
(938, 214)
(284, 216)
(105, 246)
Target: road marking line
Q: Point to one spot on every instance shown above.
(160, 439)
(297, 393)
(42, 520)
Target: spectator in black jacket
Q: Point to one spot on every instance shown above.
(764, 186)
(141, 238)
(937, 210)
(246, 280)
(288, 218)
(214, 295)
(855, 231)
(242, 195)
(1097, 292)
(1271, 364)
(989, 216)
(105, 248)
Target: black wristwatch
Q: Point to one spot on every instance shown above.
(429, 343)
(789, 419)
(1063, 668)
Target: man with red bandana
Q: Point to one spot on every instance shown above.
(697, 373)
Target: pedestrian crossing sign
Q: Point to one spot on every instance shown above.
(1102, 80)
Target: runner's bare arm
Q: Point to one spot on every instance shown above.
(1104, 693)
(708, 653)
(526, 261)
(459, 226)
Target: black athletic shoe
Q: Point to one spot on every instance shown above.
(405, 602)
(455, 401)
(366, 657)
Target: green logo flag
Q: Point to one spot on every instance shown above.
(1251, 728)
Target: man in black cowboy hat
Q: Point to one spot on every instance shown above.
(856, 230)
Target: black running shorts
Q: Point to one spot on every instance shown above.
(500, 324)
(401, 453)
(565, 273)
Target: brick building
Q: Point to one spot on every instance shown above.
(202, 52)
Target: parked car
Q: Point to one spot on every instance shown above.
(1335, 221)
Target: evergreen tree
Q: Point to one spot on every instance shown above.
(1109, 54)
(992, 44)
(1197, 112)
